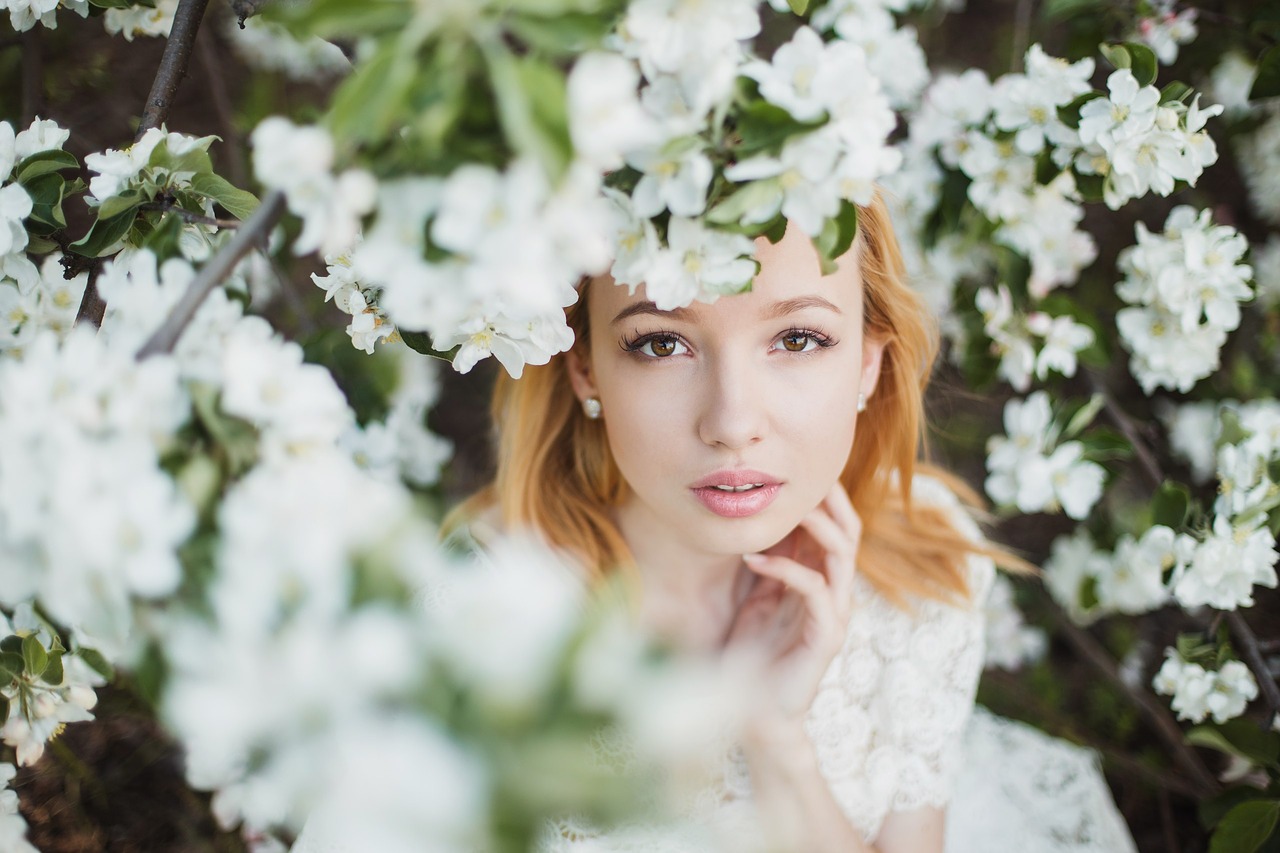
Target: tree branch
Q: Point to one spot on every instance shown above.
(1165, 726)
(1121, 419)
(1253, 657)
(168, 205)
(32, 75)
(253, 231)
(173, 65)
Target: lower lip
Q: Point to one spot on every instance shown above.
(738, 504)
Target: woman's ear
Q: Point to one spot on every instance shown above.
(873, 345)
(578, 365)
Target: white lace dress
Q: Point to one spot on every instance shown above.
(895, 728)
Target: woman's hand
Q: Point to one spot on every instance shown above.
(797, 614)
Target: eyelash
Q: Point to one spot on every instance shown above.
(635, 344)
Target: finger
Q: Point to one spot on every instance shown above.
(841, 554)
(811, 585)
(842, 510)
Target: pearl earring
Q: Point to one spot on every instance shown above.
(862, 402)
(591, 406)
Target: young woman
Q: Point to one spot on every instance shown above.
(751, 464)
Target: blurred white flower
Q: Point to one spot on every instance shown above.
(268, 46)
(13, 828)
(1166, 31)
(1026, 470)
(1222, 570)
(1198, 693)
(130, 21)
(1193, 433)
(1259, 162)
(1134, 581)
(1230, 82)
(1010, 642)
(606, 118)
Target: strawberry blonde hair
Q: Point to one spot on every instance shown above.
(556, 474)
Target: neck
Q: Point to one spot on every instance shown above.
(688, 596)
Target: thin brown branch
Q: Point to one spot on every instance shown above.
(237, 170)
(173, 65)
(1252, 652)
(170, 206)
(1121, 419)
(1163, 723)
(92, 307)
(1021, 31)
(32, 75)
(250, 234)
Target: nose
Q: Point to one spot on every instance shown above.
(732, 404)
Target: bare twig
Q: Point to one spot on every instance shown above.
(173, 65)
(32, 75)
(169, 206)
(1165, 726)
(216, 80)
(1249, 646)
(1121, 419)
(247, 8)
(251, 233)
(1021, 31)
(91, 305)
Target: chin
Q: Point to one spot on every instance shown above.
(743, 535)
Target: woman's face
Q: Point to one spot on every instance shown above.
(757, 390)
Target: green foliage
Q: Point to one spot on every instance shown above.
(1172, 505)
(836, 237)
(1241, 738)
(532, 108)
(1266, 83)
(1246, 827)
(1138, 58)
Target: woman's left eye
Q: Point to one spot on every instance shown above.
(800, 341)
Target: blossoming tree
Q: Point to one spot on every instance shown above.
(189, 504)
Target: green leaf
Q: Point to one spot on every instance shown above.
(1058, 10)
(418, 342)
(765, 127)
(1266, 82)
(1069, 113)
(372, 99)
(1175, 92)
(97, 663)
(1230, 430)
(53, 673)
(122, 4)
(43, 163)
(746, 198)
(1242, 738)
(1083, 416)
(46, 193)
(1116, 54)
(1143, 61)
(1172, 505)
(1246, 827)
(239, 203)
(11, 667)
(196, 161)
(837, 236)
(798, 6)
(118, 204)
(12, 644)
(163, 239)
(1211, 811)
(104, 235)
(4, 709)
(532, 108)
(562, 35)
(35, 659)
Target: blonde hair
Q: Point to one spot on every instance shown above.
(556, 474)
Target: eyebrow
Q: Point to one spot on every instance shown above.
(777, 309)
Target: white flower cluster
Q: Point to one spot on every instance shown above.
(1010, 642)
(1198, 693)
(130, 21)
(13, 828)
(1184, 288)
(88, 516)
(400, 445)
(369, 322)
(270, 47)
(1139, 144)
(1166, 31)
(1222, 570)
(40, 707)
(893, 53)
(1266, 272)
(31, 298)
(1230, 82)
(1014, 338)
(1259, 160)
(25, 14)
(299, 161)
(1090, 583)
(1029, 469)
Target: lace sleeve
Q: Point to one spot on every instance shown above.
(889, 717)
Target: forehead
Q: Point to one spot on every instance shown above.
(789, 272)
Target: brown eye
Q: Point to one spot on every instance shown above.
(663, 346)
(796, 341)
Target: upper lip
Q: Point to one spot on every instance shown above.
(735, 477)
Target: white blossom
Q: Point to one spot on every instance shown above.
(1198, 693)
(1010, 642)
(1222, 570)
(1166, 31)
(1075, 561)
(1134, 582)
(268, 46)
(1259, 163)
(133, 21)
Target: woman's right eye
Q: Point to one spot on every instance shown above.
(659, 346)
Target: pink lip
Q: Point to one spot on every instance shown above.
(736, 504)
